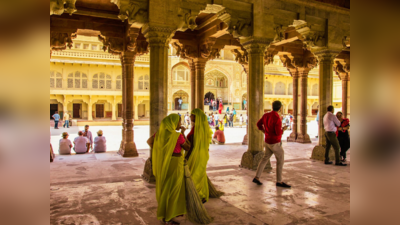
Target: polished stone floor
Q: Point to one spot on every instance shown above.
(107, 189)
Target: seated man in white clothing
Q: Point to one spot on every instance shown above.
(82, 144)
(65, 145)
(99, 142)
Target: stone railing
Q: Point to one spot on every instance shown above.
(89, 55)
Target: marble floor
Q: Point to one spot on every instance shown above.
(108, 189)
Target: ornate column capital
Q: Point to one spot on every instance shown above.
(57, 7)
(340, 71)
(255, 45)
(129, 43)
(158, 35)
(326, 55)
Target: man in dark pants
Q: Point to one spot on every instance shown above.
(330, 124)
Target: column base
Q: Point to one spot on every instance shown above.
(292, 137)
(245, 140)
(250, 161)
(148, 172)
(128, 150)
(318, 153)
(303, 138)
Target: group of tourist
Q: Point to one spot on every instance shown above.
(214, 104)
(56, 118)
(83, 143)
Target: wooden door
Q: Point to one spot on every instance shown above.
(176, 103)
(99, 110)
(119, 110)
(76, 110)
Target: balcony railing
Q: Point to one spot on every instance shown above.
(88, 55)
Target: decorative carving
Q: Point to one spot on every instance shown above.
(60, 41)
(346, 41)
(240, 27)
(241, 58)
(114, 45)
(268, 58)
(156, 35)
(187, 14)
(136, 11)
(311, 38)
(57, 7)
(287, 62)
(278, 33)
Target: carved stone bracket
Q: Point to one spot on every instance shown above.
(340, 70)
(241, 56)
(113, 45)
(311, 37)
(60, 41)
(187, 13)
(346, 41)
(193, 49)
(135, 11)
(57, 7)
(117, 45)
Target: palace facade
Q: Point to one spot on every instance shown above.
(86, 79)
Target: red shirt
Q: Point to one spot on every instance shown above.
(219, 134)
(272, 124)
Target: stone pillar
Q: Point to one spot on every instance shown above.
(114, 116)
(136, 116)
(192, 84)
(200, 66)
(255, 93)
(325, 99)
(128, 147)
(302, 136)
(295, 74)
(158, 39)
(345, 80)
(90, 110)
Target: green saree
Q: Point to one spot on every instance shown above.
(169, 171)
(199, 156)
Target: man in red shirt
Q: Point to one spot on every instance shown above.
(271, 125)
(219, 137)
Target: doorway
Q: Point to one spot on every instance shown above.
(119, 110)
(53, 109)
(209, 96)
(177, 104)
(76, 111)
(141, 110)
(99, 110)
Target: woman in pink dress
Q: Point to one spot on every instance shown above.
(220, 107)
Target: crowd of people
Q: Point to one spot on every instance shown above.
(83, 143)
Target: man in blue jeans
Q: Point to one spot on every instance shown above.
(56, 118)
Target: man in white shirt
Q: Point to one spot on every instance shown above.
(187, 120)
(180, 103)
(216, 117)
(331, 123)
(82, 144)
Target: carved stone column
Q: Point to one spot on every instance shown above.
(295, 74)
(255, 92)
(128, 147)
(158, 38)
(302, 136)
(345, 80)
(90, 110)
(325, 58)
(192, 84)
(113, 117)
(200, 66)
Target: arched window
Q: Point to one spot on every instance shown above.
(180, 75)
(144, 83)
(280, 88)
(55, 80)
(77, 80)
(119, 82)
(315, 90)
(101, 81)
(290, 89)
(267, 88)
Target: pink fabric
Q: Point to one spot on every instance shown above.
(180, 141)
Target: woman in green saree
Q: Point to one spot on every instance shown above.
(168, 168)
(197, 157)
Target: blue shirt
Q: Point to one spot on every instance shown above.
(56, 117)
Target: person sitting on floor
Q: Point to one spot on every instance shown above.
(219, 137)
(99, 142)
(65, 145)
(82, 144)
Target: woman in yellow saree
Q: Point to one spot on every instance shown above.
(168, 168)
(197, 157)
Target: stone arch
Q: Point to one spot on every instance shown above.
(280, 88)
(180, 73)
(267, 88)
(220, 79)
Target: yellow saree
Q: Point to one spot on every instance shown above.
(169, 171)
(199, 156)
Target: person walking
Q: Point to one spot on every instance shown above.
(220, 107)
(212, 120)
(271, 125)
(56, 118)
(331, 123)
(245, 104)
(227, 110)
(234, 114)
(231, 120)
(241, 120)
(343, 136)
(66, 120)
(168, 168)
(187, 120)
(216, 118)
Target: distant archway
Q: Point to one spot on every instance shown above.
(185, 100)
(267, 88)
